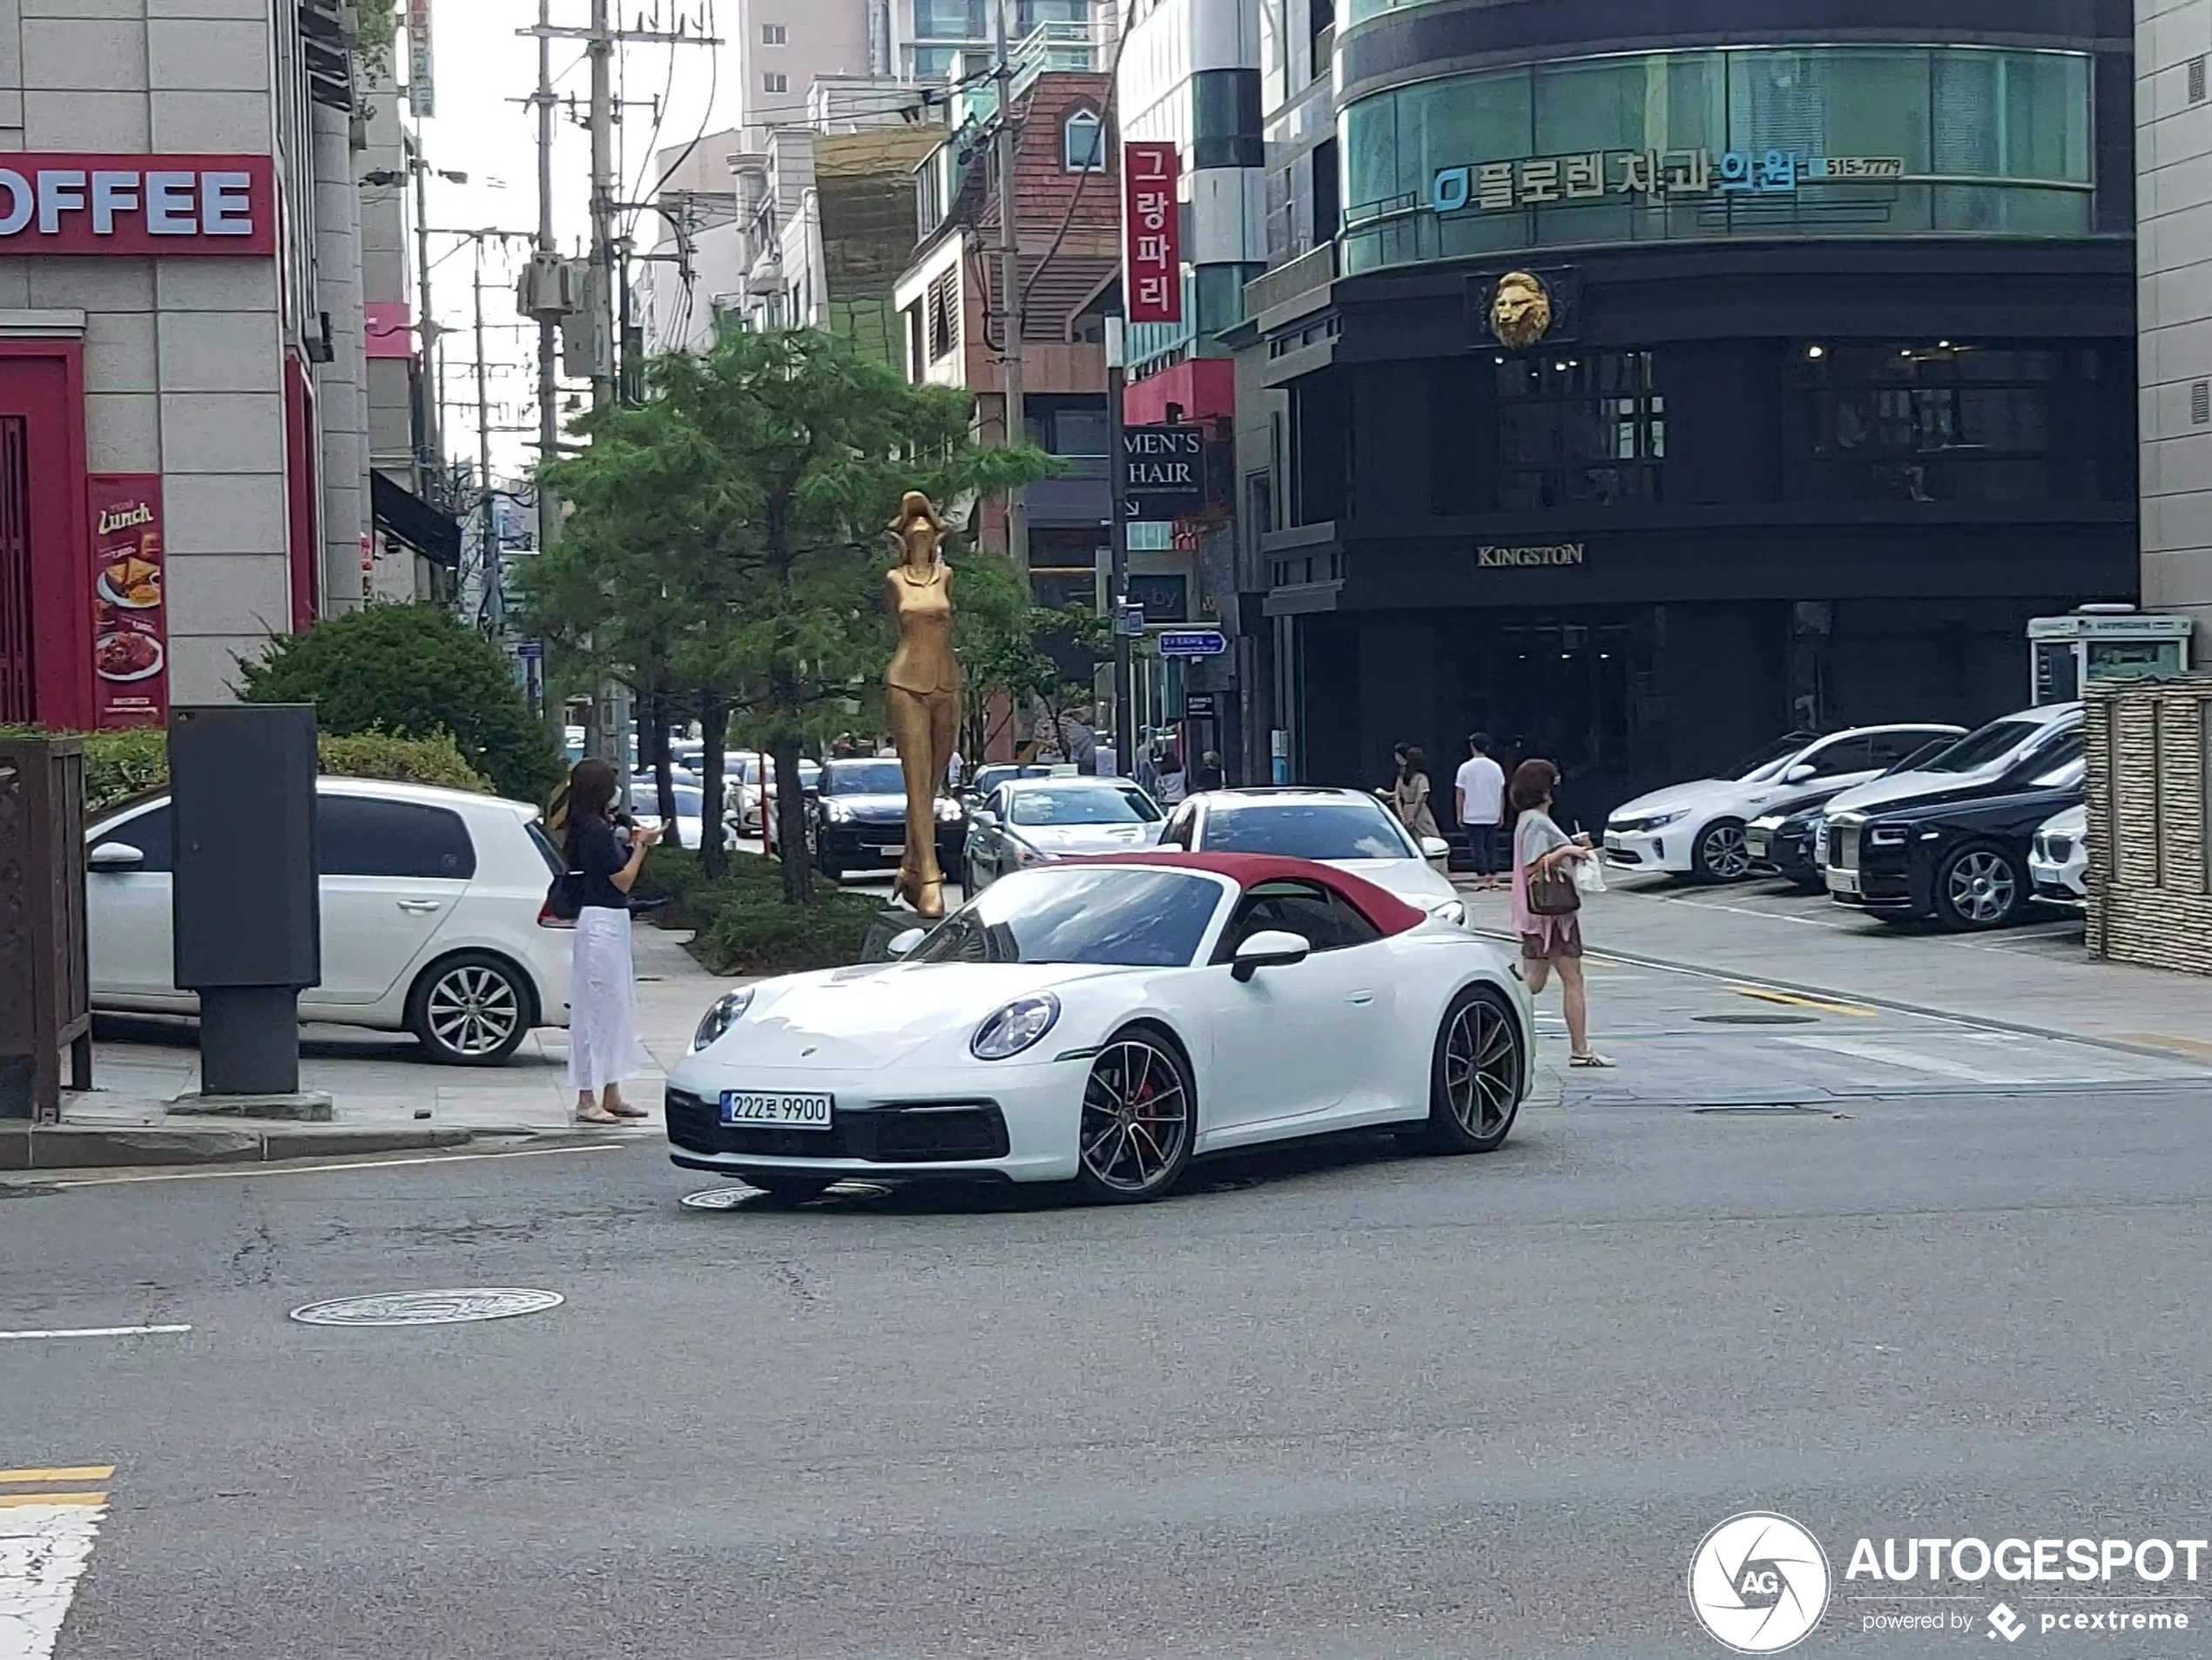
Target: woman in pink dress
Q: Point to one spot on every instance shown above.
(1549, 944)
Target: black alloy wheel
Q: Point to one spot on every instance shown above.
(1138, 1122)
(472, 1009)
(1478, 1074)
(1722, 854)
(1979, 887)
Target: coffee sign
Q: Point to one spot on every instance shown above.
(137, 204)
(1490, 557)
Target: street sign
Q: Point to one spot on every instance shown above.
(1193, 642)
(529, 651)
(1199, 704)
(1131, 621)
(1163, 471)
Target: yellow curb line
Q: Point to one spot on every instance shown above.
(1797, 1002)
(20, 1500)
(73, 1473)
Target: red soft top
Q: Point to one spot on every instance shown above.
(1248, 870)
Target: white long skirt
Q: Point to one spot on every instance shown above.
(603, 1003)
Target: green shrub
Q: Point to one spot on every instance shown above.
(121, 764)
(413, 672)
(743, 925)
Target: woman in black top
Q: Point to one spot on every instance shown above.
(602, 983)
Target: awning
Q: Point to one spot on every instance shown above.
(402, 514)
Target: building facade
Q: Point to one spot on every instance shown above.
(1637, 395)
(2174, 248)
(184, 409)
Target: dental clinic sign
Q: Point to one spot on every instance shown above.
(136, 206)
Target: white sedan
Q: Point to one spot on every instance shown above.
(1102, 1023)
(2058, 859)
(1347, 830)
(1028, 821)
(1697, 829)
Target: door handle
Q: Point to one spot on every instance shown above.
(1361, 999)
(421, 907)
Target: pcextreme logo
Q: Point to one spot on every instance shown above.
(1759, 1583)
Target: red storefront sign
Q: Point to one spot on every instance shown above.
(137, 204)
(130, 600)
(1151, 233)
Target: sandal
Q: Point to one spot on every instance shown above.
(626, 1110)
(1593, 1059)
(596, 1116)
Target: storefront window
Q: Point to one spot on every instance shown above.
(1572, 427)
(1845, 140)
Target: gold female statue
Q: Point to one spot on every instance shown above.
(923, 684)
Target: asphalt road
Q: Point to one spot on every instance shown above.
(1335, 1402)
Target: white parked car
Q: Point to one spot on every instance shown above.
(432, 917)
(1349, 830)
(746, 771)
(1103, 1023)
(2058, 859)
(1697, 829)
(1035, 821)
(690, 811)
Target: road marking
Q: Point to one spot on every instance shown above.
(238, 1172)
(1863, 1050)
(2164, 1040)
(80, 1473)
(97, 1330)
(1795, 1001)
(46, 1542)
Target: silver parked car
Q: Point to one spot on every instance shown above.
(1028, 821)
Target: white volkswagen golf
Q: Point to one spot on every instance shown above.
(432, 917)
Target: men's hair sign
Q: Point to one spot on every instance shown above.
(135, 205)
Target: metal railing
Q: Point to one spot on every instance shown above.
(1308, 273)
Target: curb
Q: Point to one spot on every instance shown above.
(1889, 1004)
(34, 1147)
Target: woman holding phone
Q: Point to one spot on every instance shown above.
(603, 979)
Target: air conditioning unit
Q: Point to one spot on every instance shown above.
(550, 286)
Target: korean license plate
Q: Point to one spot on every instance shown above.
(775, 1107)
(1842, 882)
(1615, 843)
(1757, 843)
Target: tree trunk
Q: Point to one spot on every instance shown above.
(714, 725)
(654, 726)
(791, 824)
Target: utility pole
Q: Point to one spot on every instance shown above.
(1117, 554)
(495, 578)
(433, 417)
(1010, 286)
(600, 46)
(549, 327)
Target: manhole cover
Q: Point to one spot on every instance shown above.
(728, 1198)
(428, 1308)
(1757, 1019)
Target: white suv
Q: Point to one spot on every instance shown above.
(433, 917)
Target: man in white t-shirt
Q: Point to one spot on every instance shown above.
(1481, 792)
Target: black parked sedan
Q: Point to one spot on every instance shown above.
(1780, 841)
(1960, 858)
(858, 820)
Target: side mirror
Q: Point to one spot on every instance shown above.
(115, 859)
(1435, 848)
(903, 943)
(1800, 772)
(1273, 949)
(983, 818)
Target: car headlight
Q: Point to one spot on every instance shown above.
(1450, 911)
(1883, 835)
(727, 1008)
(1661, 820)
(947, 812)
(836, 812)
(1021, 1023)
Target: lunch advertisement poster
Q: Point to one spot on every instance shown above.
(129, 627)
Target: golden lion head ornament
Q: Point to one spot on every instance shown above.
(1521, 310)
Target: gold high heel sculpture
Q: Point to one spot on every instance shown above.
(923, 685)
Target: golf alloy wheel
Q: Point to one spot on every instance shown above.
(1479, 1072)
(472, 1011)
(1134, 1136)
(1723, 854)
(1981, 889)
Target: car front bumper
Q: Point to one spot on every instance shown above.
(1666, 849)
(2067, 883)
(1773, 854)
(1013, 1123)
(854, 845)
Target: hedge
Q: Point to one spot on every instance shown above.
(121, 764)
(743, 925)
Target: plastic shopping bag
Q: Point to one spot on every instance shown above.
(1589, 876)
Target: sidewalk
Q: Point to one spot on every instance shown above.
(385, 1097)
(2038, 979)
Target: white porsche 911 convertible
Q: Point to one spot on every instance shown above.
(1104, 1021)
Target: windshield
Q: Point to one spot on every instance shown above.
(687, 802)
(1093, 803)
(1986, 747)
(1129, 918)
(1919, 758)
(1339, 829)
(861, 778)
(990, 777)
(1763, 764)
